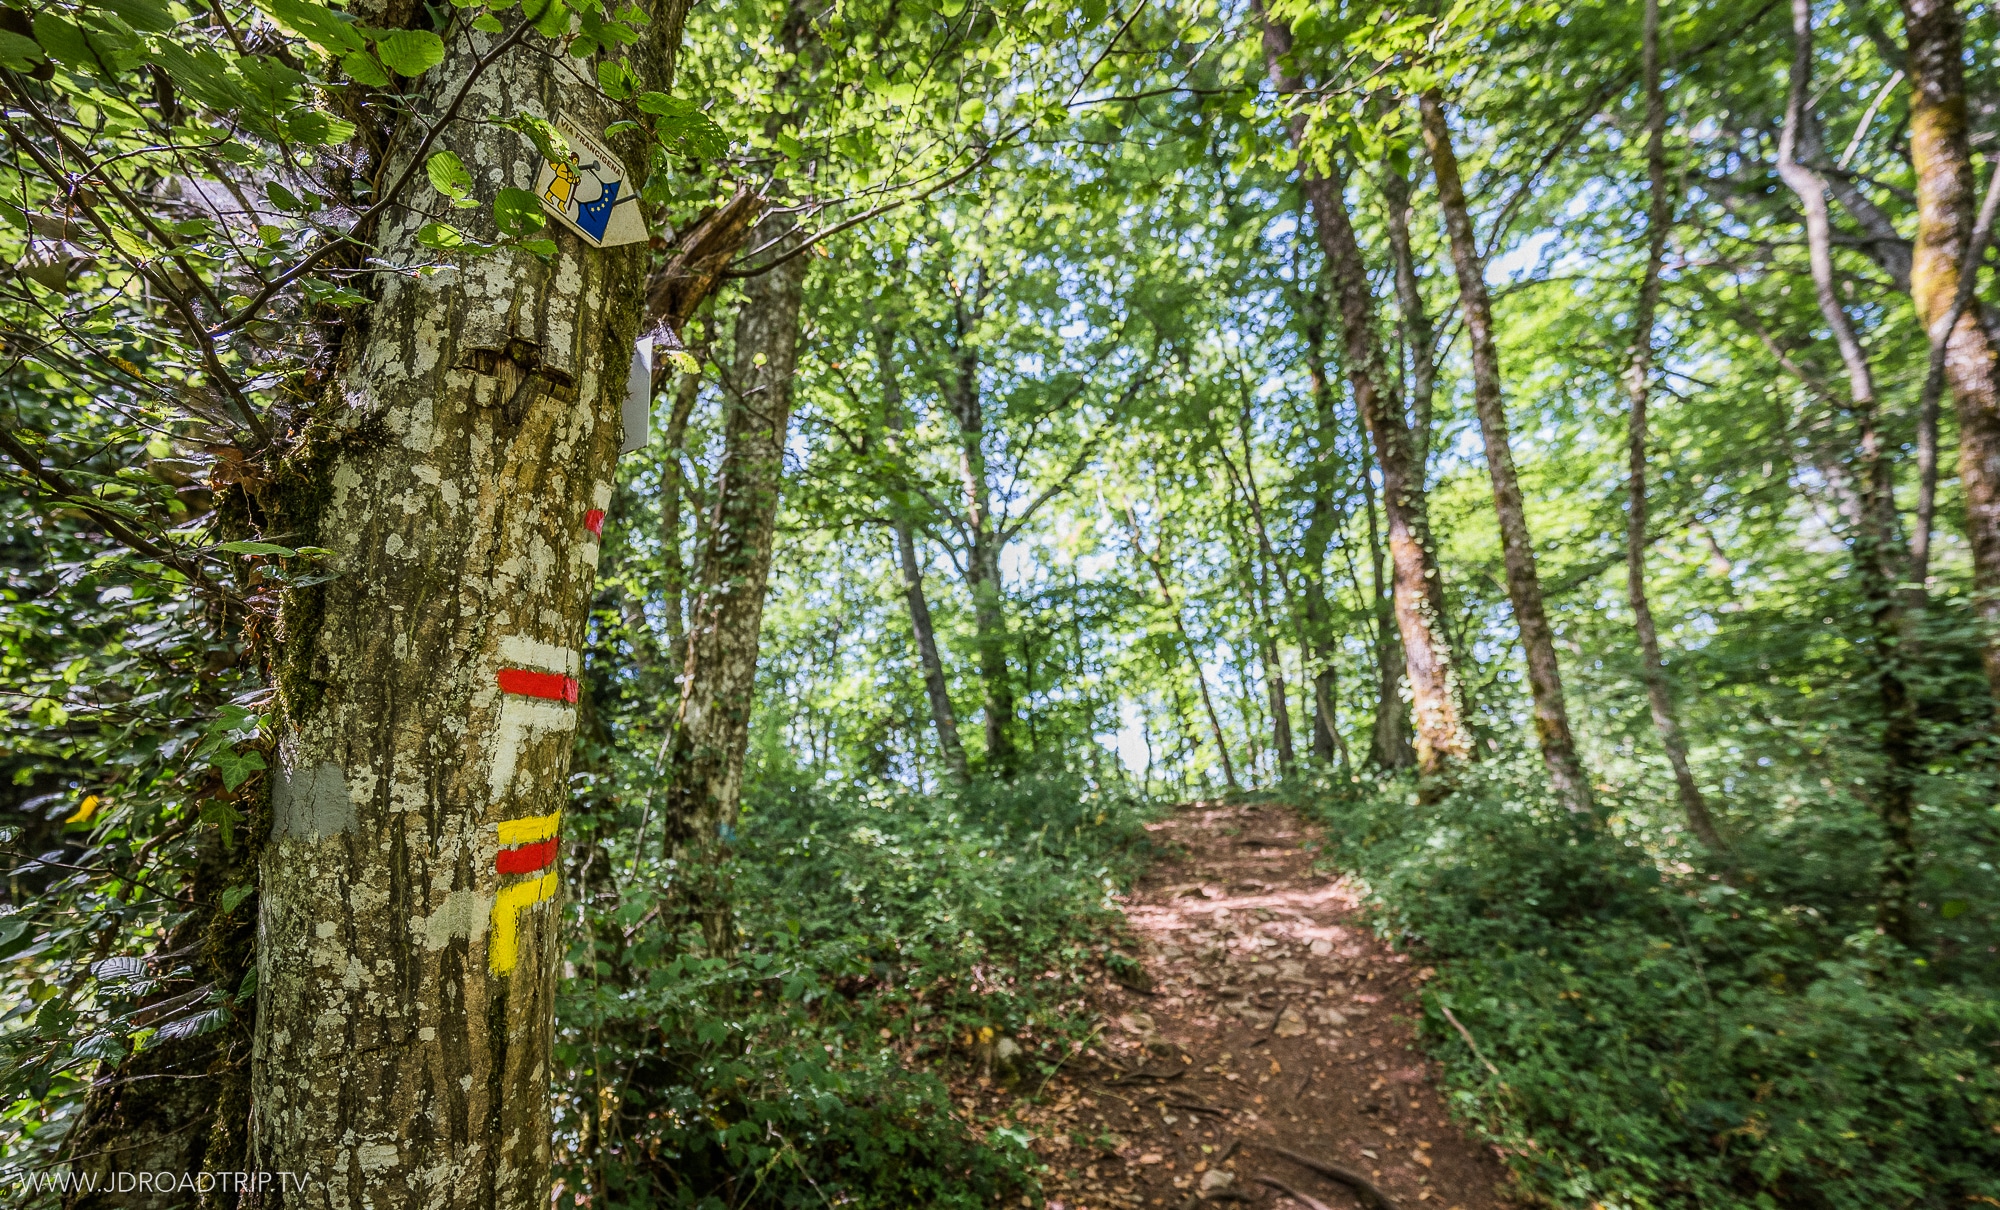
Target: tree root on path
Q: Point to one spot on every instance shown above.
(1346, 1176)
(1310, 1203)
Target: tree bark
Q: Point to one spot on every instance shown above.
(1638, 387)
(1418, 332)
(983, 544)
(1180, 628)
(1946, 202)
(1874, 543)
(1322, 523)
(1517, 548)
(674, 587)
(424, 714)
(1256, 597)
(1389, 746)
(1442, 739)
(704, 768)
(936, 688)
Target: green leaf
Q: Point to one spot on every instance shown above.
(258, 548)
(149, 15)
(317, 24)
(486, 23)
(544, 247)
(281, 197)
(1952, 909)
(362, 68)
(450, 178)
(201, 73)
(411, 52)
(549, 17)
(516, 212)
(18, 53)
(681, 125)
(615, 79)
(543, 134)
(236, 895)
(63, 41)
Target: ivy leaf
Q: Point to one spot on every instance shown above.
(516, 212)
(411, 52)
(450, 178)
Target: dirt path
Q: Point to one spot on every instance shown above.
(1274, 1018)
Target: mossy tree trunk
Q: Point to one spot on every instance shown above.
(457, 467)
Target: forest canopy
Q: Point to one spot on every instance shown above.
(604, 600)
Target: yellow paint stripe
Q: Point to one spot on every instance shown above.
(503, 950)
(529, 830)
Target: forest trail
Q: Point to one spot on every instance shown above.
(1273, 1018)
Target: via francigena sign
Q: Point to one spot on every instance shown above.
(592, 193)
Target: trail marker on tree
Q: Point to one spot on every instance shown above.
(591, 193)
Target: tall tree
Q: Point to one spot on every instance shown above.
(1638, 388)
(1874, 542)
(936, 688)
(1517, 548)
(1442, 739)
(1946, 206)
(704, 768)
(985, 536)
(458, 473)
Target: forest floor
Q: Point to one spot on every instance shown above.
(1270, 1020)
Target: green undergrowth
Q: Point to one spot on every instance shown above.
(887, 940)
(1665, 1039)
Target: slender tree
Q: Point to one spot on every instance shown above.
(1517, 547)
(936, 688)
(704, 768)
(1875, 542)
(1638, 388)
(1442, 738)
(1946, 204)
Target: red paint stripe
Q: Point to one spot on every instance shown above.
(526, 859)
(551, 685)
(594, 521)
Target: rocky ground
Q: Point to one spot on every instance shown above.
(1269, 1059)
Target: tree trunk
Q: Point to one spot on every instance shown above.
(1257, 598)
(1389, 740)
(1875, 532)
(935, 685)
(1418, 333)
(982, 556)
(1524, 585)
(704, 772)
(686, 392)
(1442, 739)
(1323, 521)
(458, 470)
(1638, 386)
(1194, 657)
(1946, 201)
